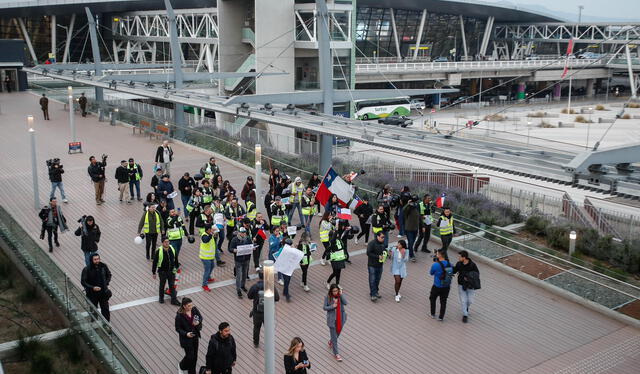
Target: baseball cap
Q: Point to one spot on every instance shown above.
(242, 229)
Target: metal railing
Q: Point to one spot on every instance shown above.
(82, 315)
(473, 65)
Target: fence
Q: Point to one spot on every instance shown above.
(82, 315)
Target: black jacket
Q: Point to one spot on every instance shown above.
(160, 154)
(235, 242)
(55, 174)
(183, 326)
(463, 270)
(168, 261)
(96, 172)
(255, 296)
(374, 249)
(364, 210)
(133, 170)
(122, 174)
(257, 226)
(95, 276)
(89, 239)
(187, 186)
(221, 353)
(290, 363)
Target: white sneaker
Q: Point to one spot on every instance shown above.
(257, 269)
(281, 282)
(328, 286)
(355, 240)
(65, 200)
(301, 284)
(397, 298)
(322, 262)
(306, 288)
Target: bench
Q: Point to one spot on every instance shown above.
(143, 126)
(160, 131)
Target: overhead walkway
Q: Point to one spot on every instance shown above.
(510, 318)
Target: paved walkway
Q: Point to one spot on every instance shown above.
(514, 326)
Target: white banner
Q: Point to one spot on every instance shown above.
(245, 249)
(289, 260)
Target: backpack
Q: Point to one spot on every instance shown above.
(260, 303)
(447, 274)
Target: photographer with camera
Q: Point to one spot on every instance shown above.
(52, 220)
(55, 176)
(96, 171)
(89, 234)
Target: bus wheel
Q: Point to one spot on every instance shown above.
(365, 117)
(395, 113)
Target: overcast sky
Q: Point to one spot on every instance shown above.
(593, 9)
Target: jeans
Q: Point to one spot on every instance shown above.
(466, 299)
(59, 185)
(411, 239)
(307, 223)
(365, 228)
(293, 208)
(177, 245)
(375, 274)
(185, 201)
(137, 185)
(400, 221)
(87, 257)
(333, 332)
(242, 271)
(167, 277)
(287, 280)
(220, 241)
(423, 237)
(386, 239)
(208, 268)
(52, 231)
(442, 293)
(166, 167)
(305, 269)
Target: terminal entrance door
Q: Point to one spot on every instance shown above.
(9, 80)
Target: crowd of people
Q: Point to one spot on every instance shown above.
(212, 212)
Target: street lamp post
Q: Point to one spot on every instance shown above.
(239, 144)
(528, 131)
(589, 127)
(258, 179)
(572, 242)
(269, 317)
(72, 122)
(34, 163)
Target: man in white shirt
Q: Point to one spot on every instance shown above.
(164, 156)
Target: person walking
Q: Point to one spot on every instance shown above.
(304, 245)
(380, 223)
(207, 254)
(188, 325)
(296, 360)
(52, 220)
(89, 234)
(194, 208)
(314, 182)
(210, 170)
(164, 156)
(44, 105)
(164, 262)
(399, 258)
(441, 271)
(55, 176)
(308, 203)
(256, 293)
(233, 213)
(447, 229)
(297, 190)
(376, 256)
(275, 243)
(468, 282)
(186, 185)
(241, 261)
(151, 225)
(95, 279)
(426, 210)
(411, 220)
(323, 232)
(96, 171)
(82, 101)
(135, 175)
(166, 191)
(155, 180)
(221, 353)
(364, 212)
(259, 228)
(334, 305)
(278, 212)
(122, 176)
(175, 232)
(337, 257)
(249, 186)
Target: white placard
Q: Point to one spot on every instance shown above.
(444, 223)
(243, 250)
(289, 260)
(218, 219)
(313, 247)
(427, 219)
(291, 230)
(285, 200)
(172, 195)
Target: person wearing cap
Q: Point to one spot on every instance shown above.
(249, 185)
(411, 221)
(164, 263)
(210, 170)
(151, 225)
(207, 253)
(175, 232)
(155, 180)
(278, 212)
(195, 207)
(89, 234)
(241, 261)
(135, 175)
(308, 208)
(233, 213)
(364, 212)
(186, 185)
(165, 189)
(297, 190)
(122, 176)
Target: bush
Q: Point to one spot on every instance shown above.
(633, 105)
(536, 225)
(29, 294)
(626, 116)
(69, 344)
(546, 125)
(582, 119)
(565, 111)
(495, 117)
(600, 107)
(27, 347)
(536, 115)
(42, 362)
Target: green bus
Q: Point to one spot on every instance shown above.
(372, 109)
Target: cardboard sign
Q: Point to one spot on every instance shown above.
(285, 200)
(75, 147)
(289, 260)
(313, 247)
(245, 249)
(291, 230)
(172, 195)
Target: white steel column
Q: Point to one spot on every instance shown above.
(26, 38)
(486, 36)
(634, 93)
(53, 36)
(115, 51)
(65, 56)
(395, 33)
(420, 29)
(464, 37)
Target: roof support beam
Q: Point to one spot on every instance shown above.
(487, 35)
(464, 37)
(65, 55)
(326, 81)
(395, 34)
(27, 39)
(419, 37)
(95, 49)
(634, 93)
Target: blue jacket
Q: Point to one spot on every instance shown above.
(436, 271)
(164, 186)
(274, 245)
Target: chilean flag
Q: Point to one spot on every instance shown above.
(332, 183)
(440, 200)
(566, 61)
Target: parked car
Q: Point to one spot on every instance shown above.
(416, 105)
(401, 121)
(440, 59)
(590, 55)
(532, 57)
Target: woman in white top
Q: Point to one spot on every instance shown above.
(399, 258)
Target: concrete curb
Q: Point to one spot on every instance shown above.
(8, 348)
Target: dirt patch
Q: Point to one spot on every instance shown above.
(631, 309)
(530, 266)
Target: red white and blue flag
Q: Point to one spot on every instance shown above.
(332, 183)
(440, 200)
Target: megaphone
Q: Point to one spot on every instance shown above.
(137, 240)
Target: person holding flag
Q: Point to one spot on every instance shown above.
(259, 228)
(447, 229)
(440, 200)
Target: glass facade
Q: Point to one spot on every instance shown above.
(441, 33)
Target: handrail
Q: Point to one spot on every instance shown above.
(466, 65)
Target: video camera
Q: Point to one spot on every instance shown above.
(82, 219)
(104, 158)
(54, 162)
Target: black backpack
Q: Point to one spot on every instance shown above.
(447, 274)
(260, 303)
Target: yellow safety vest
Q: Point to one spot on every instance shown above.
(176, 233)
(208, 172)
(207, 250)
(207, 195)
(231, 222)
(338, 255)
(376, 229)
(294, 190)
(145, 228)
(135, 167)
(251, 210)
(309, 209)
(161, 254)
(192, 201)
(325, 228)
(276, 219)
(306, 259)
(448, 229)
(204, 219)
